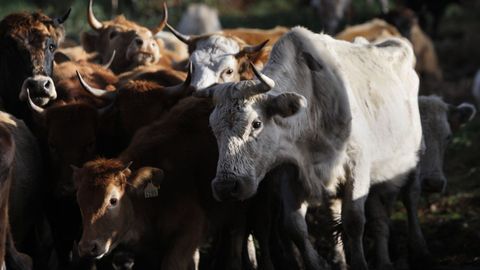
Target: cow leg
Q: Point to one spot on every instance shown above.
(353, 215)
(379, 206)
(339, 258)
(14, 259)
(260, 218)
(295, 224)
(416, 242)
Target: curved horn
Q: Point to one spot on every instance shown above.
(109, 63)
(163, 22)
(252, 49)
(100, 93)
(94, 23)
(266, 84)
(182, 88)
(60, 20)
(183, 38)
(34, 106)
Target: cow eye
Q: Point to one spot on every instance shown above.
(52, 47)
(256, 124)
(113, 201)
(229, 71)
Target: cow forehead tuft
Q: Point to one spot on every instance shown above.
(21, 25)
(218, 44)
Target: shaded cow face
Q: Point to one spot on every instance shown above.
(29, 42)
(133, 44)
(104, 188)
(218, 58)
(248, 127)
(439, 120)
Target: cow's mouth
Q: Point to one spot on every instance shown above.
(41, 101)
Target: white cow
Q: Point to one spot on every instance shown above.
(342, 113)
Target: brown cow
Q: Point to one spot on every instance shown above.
(27, 44)
(129, 205)
(20, 186)
(135, 45)
(144, 98)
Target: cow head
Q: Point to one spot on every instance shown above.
(247, 123)
(28, 43)
(439, 120)
(104, 192)
(218, 58)
(71, 132)
(135, 45)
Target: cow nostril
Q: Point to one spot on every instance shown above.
(47, 84)
(139, 42)
(30, 84)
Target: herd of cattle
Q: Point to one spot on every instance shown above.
(146, 150)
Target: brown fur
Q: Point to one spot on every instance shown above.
(69, 88)
(257, 36)
(7, 153)
(376, 29)
(372, 30)
(24, 53)
(126, 31)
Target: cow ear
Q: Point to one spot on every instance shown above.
(88, 41)
(457, 116)
(286, 104)
(140, 178)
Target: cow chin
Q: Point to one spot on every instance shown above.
(234, 189)
(138, 58)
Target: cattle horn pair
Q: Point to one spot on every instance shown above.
(98, 25)
(244, 89)
(100, 93)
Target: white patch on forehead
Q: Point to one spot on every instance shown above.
(210, 58)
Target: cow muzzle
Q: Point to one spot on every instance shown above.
(42, 89)
(143, 51)
(233, 188)
(92, 248)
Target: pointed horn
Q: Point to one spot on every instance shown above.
(183, 38)
(162, 24)
(100, 93)
(60, 20)
(252, 49)
(182, 88)
(94, 23)
(266, 84)
(109, 63)
(39, 110)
